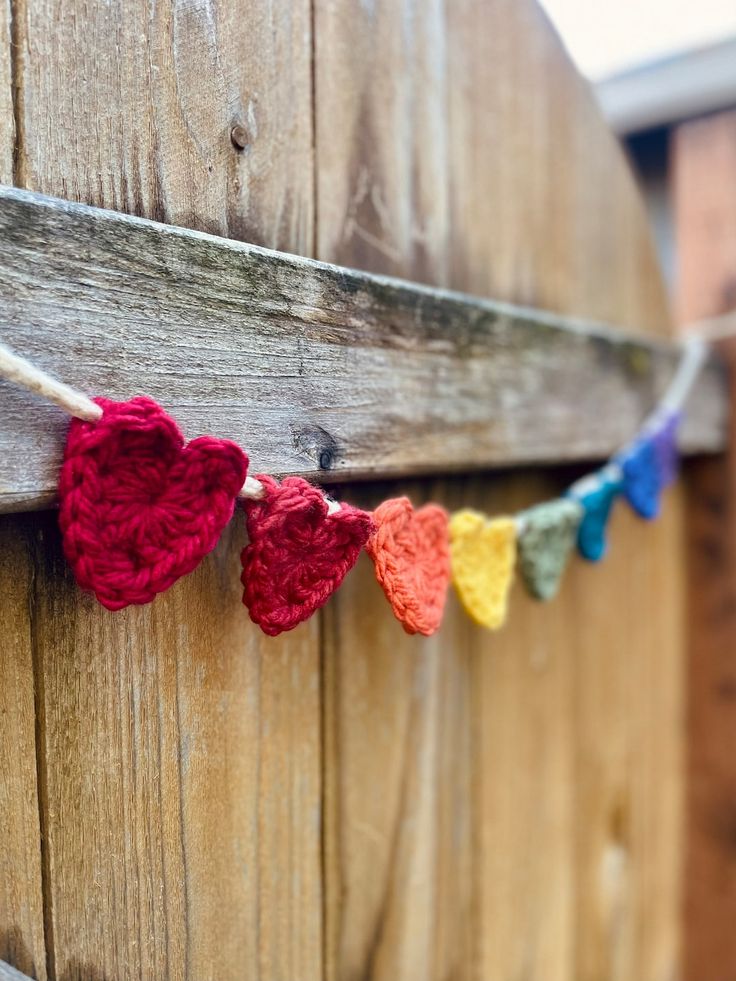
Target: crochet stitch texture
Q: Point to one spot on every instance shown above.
(297, 554)
(411, 555)
(483, 553)
(642, 483)
(545, 543)
(592, 543)
(139, 509)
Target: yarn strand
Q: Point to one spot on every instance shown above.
(20, 371)
(413, 555)
(694, 353)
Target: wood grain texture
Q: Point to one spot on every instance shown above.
(703, 157)
(21, 904)
(7, 115)
(129, 105)
(398, 794)
(545, 211)
(496, 806)
(561, 198)
(179, 749)
(398, 719)
(313, 369)
(191, 756)
(519, 829)
(21, 900)
(530, 221)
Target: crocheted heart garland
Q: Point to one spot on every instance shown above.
(642, 483)
(297, 554)
(597, 503)
(483, 553)
(139, 509)
(545, 543)
(411, 555)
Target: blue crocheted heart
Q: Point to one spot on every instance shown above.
(597, 503)
(642, 477)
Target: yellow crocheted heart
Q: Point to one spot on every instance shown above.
(483, 553)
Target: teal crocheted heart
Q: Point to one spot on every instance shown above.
(597, 502)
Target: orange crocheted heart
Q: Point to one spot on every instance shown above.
(410, 551)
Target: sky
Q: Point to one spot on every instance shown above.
(607, 36)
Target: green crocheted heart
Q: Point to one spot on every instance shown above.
(546, 539)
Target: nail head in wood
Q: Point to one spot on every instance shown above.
(239, 136)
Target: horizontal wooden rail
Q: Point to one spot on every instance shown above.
(313, 369)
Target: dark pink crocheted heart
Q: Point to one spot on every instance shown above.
(138, 507)
(297, 554)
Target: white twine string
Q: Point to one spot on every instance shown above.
(20, 371)
(692, 359)
(714, 329)
(254, 490)
(694, 354)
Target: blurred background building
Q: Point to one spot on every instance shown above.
(645, 106)
(665, 76)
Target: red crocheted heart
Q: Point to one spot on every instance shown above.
(410, 550)
(138, 508)
(297, 554)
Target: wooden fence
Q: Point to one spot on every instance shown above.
(183, 798)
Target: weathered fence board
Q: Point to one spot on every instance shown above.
(314, 369)
(490, 811)
(7, 115)
(398, 711)
(179, 747)
(21, 902)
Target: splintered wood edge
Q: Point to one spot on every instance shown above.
(317, 370)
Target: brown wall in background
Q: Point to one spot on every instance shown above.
(704, 190)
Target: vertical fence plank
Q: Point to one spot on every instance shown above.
(381, 137)
(7, 116)
(21, 906)
(150, 134)
(578, 869)
(628, 738)
(504, 84)
(703, 157)
(397, 708)
(564, 830)
(180, 749)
